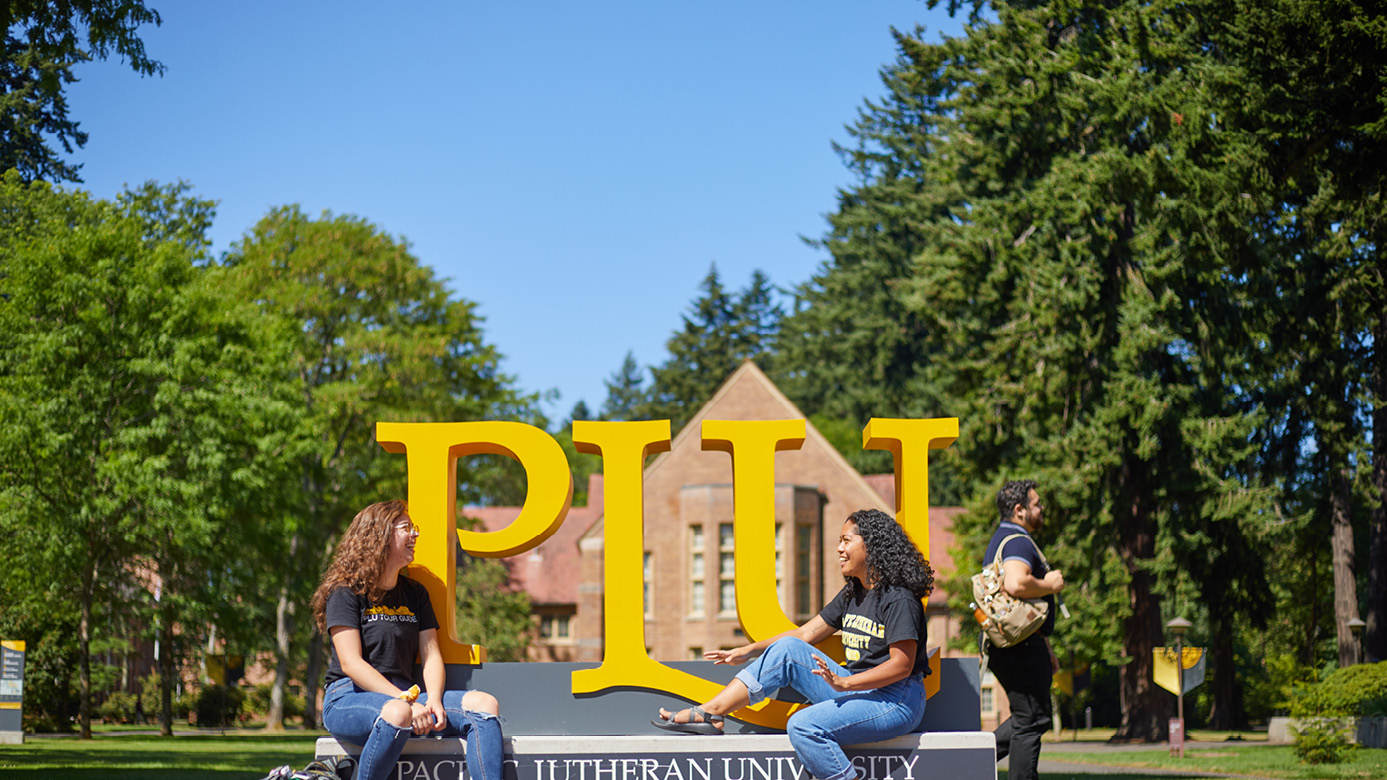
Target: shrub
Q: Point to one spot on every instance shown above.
(218, 705)
(258, 702)
(119, 707)
(1323, 740)
(182, 706)
(1355, 691)
(1326, 711)
(44, 723)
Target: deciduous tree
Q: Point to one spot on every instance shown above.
(376, 337)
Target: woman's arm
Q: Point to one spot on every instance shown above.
(347, 642)
(431, 658)
(894, 669)
(813, 632)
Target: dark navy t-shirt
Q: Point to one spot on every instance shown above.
(875, 619)
(1022, 549)
(389, 629)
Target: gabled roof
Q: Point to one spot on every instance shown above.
(550, 573)
(748, 372)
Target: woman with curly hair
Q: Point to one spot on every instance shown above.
(379, 621)
(879, 694)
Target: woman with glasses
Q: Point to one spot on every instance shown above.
(379, 620)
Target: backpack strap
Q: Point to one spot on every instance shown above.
(997, 559)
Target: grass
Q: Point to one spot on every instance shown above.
(1198, 736)
(250, 755)
(1269, 761)
(1096, 774)
(232, 757)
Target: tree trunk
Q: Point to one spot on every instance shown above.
(284, 628)
(167, 674)
(310, 682)
(1341, 548)
(1375, 637)
(1227, 713)
(1145, 706)
(84, 653)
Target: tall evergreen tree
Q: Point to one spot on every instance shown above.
(626, 394)
(43, 41)
(757, 315)
(1070, 251)
(721, 331)
(1316, 110)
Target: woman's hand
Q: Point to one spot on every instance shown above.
(737, 655)
(440, 716)
(834, 681)
(421, 718)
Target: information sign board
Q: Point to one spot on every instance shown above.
(11, 691)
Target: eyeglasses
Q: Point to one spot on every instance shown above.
(407, 527)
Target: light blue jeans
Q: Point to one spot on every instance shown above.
(835, 718)
(353, 714)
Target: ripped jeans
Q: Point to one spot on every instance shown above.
(353, 714)
(836, 718)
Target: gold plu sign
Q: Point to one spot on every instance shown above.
(432, 450)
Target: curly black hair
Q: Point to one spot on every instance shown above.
(1013, 493)
(892, 559)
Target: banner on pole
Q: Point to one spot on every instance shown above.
(1164, 672)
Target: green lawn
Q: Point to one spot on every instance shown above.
(185, 757)
(250, 756)
(1271, 761)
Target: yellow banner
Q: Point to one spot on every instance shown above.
(1164, 673)
(16, 645)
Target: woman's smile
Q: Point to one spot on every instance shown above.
(852, 553)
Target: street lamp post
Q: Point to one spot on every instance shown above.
(1179, 626)
(1356, 626)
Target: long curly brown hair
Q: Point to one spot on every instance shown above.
(360, 557)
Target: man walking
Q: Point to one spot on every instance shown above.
(1026, 669)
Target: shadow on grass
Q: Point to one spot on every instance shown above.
(135, 773)
(181, 758)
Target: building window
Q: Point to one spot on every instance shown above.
(727, 572)
(804, 570)
(648, 574)
(553, 627)
(987, 700)
(697, 571)
(780, 593)
(695, 654)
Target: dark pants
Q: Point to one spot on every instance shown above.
(1024, 671)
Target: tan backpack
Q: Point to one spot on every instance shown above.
(1005, 620)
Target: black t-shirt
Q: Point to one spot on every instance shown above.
(389, 629)
(873, 620)
(1022, 549)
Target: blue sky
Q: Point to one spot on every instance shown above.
(573, 168)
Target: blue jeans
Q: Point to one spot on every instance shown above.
(353, 714)
(836, 718)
